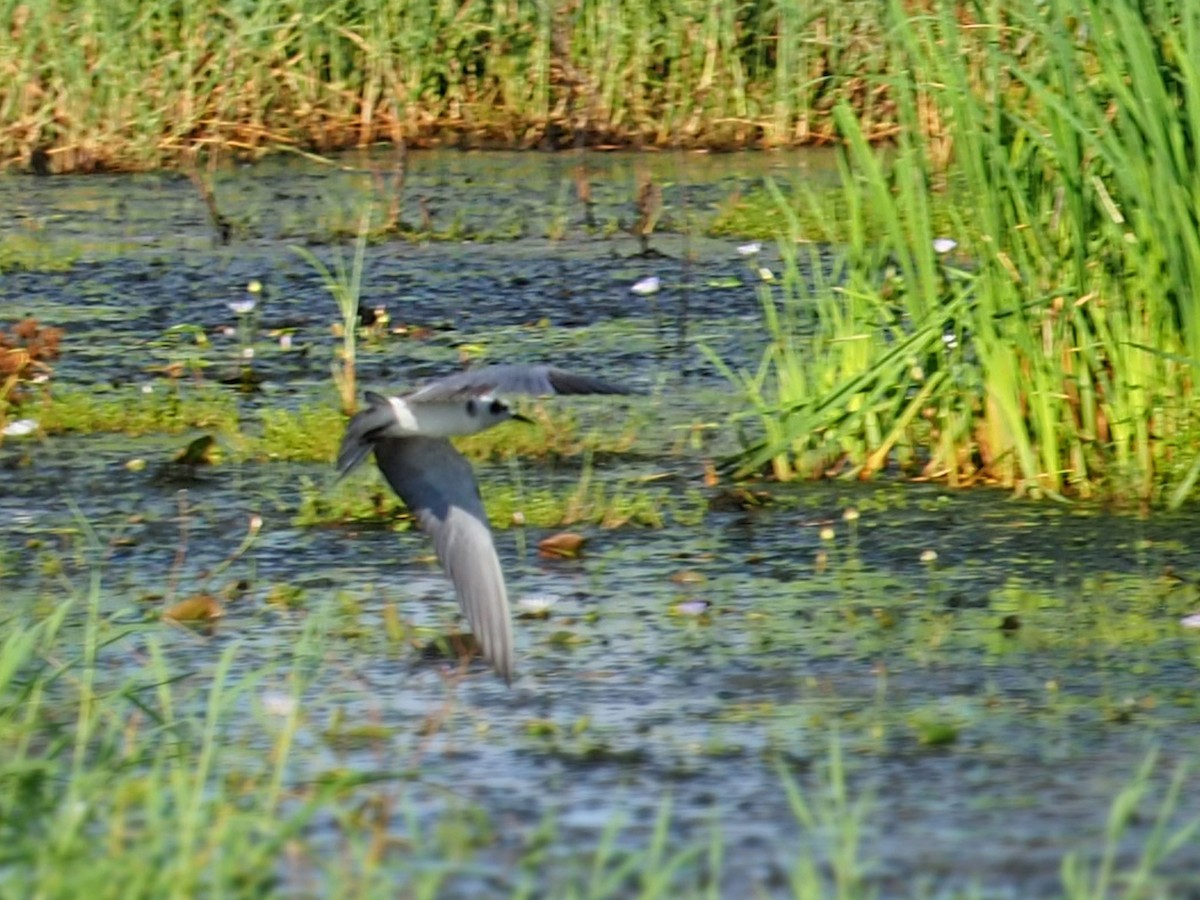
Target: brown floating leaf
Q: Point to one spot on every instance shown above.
(452, 645)
(197, 608)
(564, 545)
(688, 576)
(711, 478)
(738, 498)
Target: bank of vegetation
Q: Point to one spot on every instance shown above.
(131, 85)
(1014, 293)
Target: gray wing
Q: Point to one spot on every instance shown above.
(537, 381)
(363, 432)
(437, 484)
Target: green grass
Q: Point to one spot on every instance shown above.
(1071, 298)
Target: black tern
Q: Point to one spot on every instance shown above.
(410, 436)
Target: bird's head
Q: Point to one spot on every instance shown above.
(492, 411)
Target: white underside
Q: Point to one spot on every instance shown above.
(442, 419)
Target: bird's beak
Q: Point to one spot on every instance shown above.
(517, 417)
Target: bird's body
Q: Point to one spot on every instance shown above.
(409, 435)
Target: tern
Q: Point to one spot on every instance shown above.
(410, 437)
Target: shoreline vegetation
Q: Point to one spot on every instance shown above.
(130, 86)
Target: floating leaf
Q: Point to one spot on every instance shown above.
(566, 639)
(456, 646)
(564, 545)
(198, 452)
(356, 736)
(197, 608)
(936, 733)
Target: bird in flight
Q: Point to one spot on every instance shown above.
(410, 437)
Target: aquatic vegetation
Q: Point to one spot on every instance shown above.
(606, 503)
(36, 252)
(136, 411)
(310, 433)
(148, 781)
(1053, 350)
(345, 285)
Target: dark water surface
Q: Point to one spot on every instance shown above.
(989, 703)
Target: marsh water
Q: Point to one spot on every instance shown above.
(991, 672)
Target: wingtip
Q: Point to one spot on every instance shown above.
(566, 382)
(505, 664)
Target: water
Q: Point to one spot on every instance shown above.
(989, 703)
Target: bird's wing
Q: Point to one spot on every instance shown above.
(437, 484)
(537, 381)
(362, 432)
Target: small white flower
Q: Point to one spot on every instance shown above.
(147, 389)
(647, 286)
(691, 607)
(20, 428)
(285, 342)
(243, 307)
(1192, 621)
(944, 245)
(751, 249)
(247, 353)
(537, 604)
(279, 704)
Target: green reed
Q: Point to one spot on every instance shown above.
(136, 85)
(1053, 351)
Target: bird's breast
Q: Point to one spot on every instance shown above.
(435, 419)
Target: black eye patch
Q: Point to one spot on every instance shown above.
(497, 407)
(472, 407)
